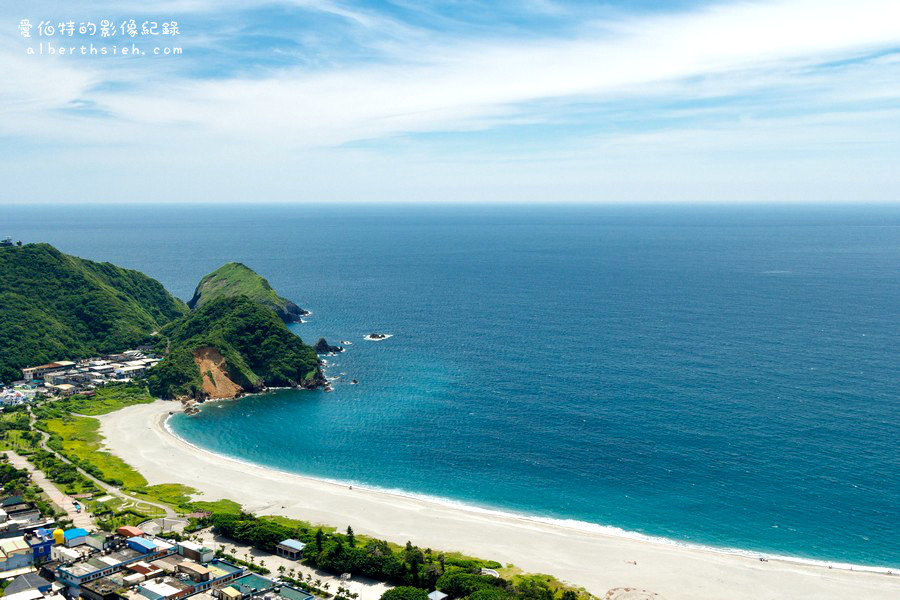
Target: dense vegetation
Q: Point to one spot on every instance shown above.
(107, 399)
(414, 569)
(258, 349)
(236, 279)
(54, 306)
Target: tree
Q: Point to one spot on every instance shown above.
(351, 539)
(405, 592)
(319, 538)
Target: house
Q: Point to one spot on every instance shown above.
(229, 593)
(142, 545)
(41, 542)
(195, 552)
(100, 541)
(196, 572)
(64, 389)
(290, 548)
(38, 372)
(82, 571)
(130, 372)
(129, 531)
(167, 588)
(75, 537)
(105, 588)
(15, 553)
(28, 581)
(26, 512)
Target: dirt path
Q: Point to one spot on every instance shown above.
(214, 372)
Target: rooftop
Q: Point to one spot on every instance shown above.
(103, 586)
(293, 544)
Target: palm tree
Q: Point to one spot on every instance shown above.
(318, 583)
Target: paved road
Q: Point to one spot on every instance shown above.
(170, 514)
(79, 519)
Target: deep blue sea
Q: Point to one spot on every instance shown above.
(720, 376)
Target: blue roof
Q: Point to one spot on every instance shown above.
(143, 543)
(293, 544)
(71, 534)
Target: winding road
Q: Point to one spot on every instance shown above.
(110, 489)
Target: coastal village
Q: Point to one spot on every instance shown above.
(70, 557)
(81, 376)
(39, 560)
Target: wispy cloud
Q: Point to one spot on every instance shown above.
(675, 80)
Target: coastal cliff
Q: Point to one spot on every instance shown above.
(236, 279)
(246, 342)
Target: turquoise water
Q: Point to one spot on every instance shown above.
(719, 376)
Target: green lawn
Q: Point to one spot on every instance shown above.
(110, 399)
(80, 441)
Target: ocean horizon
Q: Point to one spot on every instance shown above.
(714, 376)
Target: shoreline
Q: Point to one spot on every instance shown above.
(573, 524)
(594, 556)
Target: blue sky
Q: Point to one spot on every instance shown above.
(459, 101)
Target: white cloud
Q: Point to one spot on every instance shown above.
(293, 120)
(442, 86)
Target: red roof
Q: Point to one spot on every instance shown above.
(129, 531)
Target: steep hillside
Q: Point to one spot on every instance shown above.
(55, 306)
(258, 350)
(236, 279)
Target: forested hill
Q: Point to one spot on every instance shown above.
(54, 307)
(236, 279)
(246, 345)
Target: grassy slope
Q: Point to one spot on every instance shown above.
(236, 279)
(55, 306)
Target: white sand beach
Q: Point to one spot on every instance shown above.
(595, 560)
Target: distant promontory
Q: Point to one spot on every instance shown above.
(236, 279)
(54, 306)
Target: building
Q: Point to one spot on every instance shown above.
(141, 544)
(105, 588)
(28, 581)
(15, 553)
(81, 571)
(129, 531)
(167, 588)
(24, 511)
(75, 537)
(41, 542)
(130, 372)
(229, 593)
(101, 541)
(436, 595)
(196, 572)
(38, 372)
(290, 548)
(195, 552)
